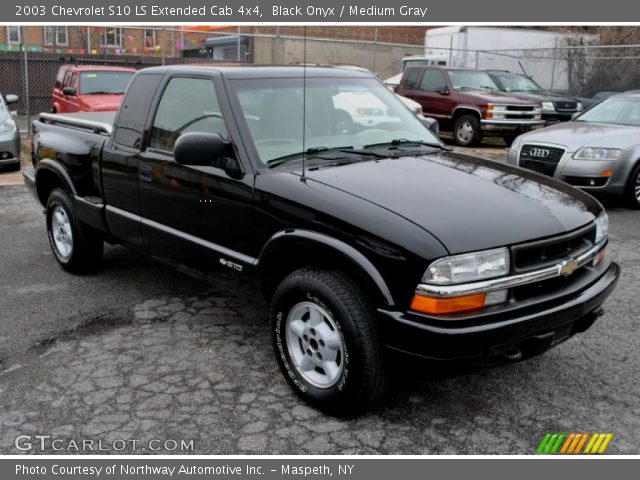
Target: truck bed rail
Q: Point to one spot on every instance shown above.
(101, 128)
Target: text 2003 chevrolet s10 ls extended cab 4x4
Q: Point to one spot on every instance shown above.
(360, 236)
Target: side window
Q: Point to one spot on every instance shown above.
(59, 79)
(67, 79)
(133, 112)
(410, 79)
(432, 80)
(74, 80)
(187, 105)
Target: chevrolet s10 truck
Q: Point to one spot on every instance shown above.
(365, 239)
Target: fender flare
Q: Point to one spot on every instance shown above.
(334, 244)
(47, 164)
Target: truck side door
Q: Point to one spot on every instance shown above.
(120, 156)
(432, 91)
(197, 216)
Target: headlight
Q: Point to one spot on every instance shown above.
(596, 153)
(602, 227)
(579, 107)
(469, 267)
(497, 112)
(548, 107)
(7, 126)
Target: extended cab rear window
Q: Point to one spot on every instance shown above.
(133, 111)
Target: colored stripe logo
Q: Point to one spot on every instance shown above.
(574, 443)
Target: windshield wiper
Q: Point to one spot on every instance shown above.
(316, 150)
(403, 141)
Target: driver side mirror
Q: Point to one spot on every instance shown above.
(431, 124)
(443, 91)
(206, 150)
(70, 91)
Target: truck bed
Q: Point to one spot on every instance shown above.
(96, 122)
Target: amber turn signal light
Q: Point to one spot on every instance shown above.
(441, 306)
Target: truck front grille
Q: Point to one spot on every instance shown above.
(522, 112)
(542, 253)
(566, 106)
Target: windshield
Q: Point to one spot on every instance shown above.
(471, 80)
(104, 82)
(341, 113)
(517, 83)
(615, 110)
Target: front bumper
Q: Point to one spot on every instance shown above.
(10, 150)
(510, 126)
(528, 331)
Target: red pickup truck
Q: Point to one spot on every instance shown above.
(89, 88)
(468, 103)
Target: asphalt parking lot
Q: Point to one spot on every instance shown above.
(138, 351)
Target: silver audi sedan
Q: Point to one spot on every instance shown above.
(598, 151)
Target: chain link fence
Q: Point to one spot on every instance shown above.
(30, 56)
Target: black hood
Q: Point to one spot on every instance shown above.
(542, 96)
(467, 203)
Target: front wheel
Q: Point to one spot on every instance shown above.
(76, 246)
(632, 192)
(326, 342)
(466, 131)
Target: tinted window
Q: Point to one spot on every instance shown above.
(133, 111)
(187, 105)
(410, 78)
(432, 80)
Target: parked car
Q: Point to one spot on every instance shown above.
(555, 107)
(359, 237)
(9, 135)
(599, 151)
(414, 60)
(468, 103)
(594, 96)
(89, 88)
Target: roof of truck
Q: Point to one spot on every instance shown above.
(265, 71)
(83, 68)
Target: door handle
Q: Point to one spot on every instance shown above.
(144, 173)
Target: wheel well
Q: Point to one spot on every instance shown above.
(464, 111)
(46, 182)
(285, 259)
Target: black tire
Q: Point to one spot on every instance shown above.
(631, 197)
(87, 243)
(363, 381)
(467, 131)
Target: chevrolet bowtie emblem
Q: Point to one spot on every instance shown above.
(567, 267)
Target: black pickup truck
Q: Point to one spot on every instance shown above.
(318, 188)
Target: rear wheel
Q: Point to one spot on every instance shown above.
(326, 341)
(632, 192)
(466, 131)
(77, 247)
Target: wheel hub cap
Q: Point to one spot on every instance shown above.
(61, 231)
(465, 132)
(315, 344)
